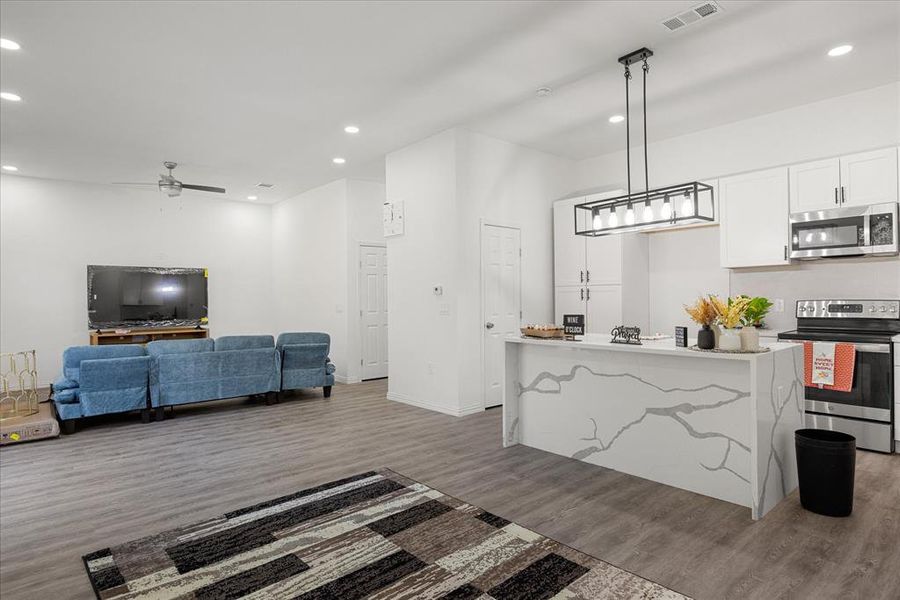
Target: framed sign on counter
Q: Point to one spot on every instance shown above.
(573, 325)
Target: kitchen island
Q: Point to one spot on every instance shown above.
(717, 424)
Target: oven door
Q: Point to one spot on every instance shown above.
(871, 395)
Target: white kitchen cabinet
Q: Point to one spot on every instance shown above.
(815, 185)
(603, 260)
(869, 177)
(598, 276)
(604, 308)
(569, 301)
(851, 180)
(754, 229)
(568, 257)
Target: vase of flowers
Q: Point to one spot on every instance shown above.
(728, 315)
(756, 311)
(703, 313)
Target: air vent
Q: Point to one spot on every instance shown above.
(695, 15)
(265, 186)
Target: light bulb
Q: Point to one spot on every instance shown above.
(808, 237)
(613, 219)
(648, 213)
(687, 206)
(823, 236)
(629, 216)
(666, 211)
(598, 221)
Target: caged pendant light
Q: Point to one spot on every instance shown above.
(649, 210)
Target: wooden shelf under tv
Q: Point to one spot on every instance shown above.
(142, 336)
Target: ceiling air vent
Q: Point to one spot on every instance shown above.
(265, 186)
(689, 17)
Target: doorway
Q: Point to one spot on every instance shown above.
(373, 310)
(501, 303)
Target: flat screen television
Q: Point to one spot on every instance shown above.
(145, 297)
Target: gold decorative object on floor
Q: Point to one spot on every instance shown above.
(18, 384)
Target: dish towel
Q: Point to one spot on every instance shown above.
(829, 366)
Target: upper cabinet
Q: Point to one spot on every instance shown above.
(754, 228)
(568, 257)
(869, 177)
(852, 180)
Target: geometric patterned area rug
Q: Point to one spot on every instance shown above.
(377, 535)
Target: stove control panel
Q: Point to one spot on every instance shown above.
(848, 309)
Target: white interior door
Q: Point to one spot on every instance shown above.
(373, 310)
(500, 303)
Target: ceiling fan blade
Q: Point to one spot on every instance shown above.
(203, 188)
(133, 183)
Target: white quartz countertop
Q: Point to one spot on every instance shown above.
(666, 346)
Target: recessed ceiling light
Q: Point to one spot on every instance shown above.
(351, 129)
(543, 92)
(338, 160)
(9, 44)
(10, 96)
(251, 197)
(616, 119)
(840, 50)
(10, 168)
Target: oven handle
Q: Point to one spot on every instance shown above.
(873, 348)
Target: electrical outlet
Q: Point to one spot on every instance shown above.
(778, 305)
(445, 310)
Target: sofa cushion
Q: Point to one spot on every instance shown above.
(73, 356)
(64, 383)
(244, 342)
(160, 347)
(68, 396)
(303, 337)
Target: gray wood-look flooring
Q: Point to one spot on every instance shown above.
(118, 479)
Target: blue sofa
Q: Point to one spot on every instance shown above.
(187, 371)
(99, 380)
(304, 361)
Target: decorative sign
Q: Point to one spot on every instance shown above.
(626, 335)
(573, 325)
(681, 337)
(392, 217)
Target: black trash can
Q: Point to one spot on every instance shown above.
(826, 467)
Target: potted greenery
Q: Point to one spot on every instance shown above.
(729, 314)
(703, 313)
(756, 311)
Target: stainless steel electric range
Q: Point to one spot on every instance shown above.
(866, 411)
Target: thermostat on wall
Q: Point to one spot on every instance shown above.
(438, 290)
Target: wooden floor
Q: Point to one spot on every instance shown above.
(118, 480)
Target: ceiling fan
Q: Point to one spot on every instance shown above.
(172, 187)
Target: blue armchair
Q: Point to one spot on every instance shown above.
(99, 380)
(305, 362)
(187, 371)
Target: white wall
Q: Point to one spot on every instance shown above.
(51, 230)
(449, 183)
(314, 263)
(503, 183)
(684, 264)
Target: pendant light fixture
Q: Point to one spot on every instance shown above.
(695, 200)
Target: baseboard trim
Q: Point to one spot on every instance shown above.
(403, 399)
(344, 379)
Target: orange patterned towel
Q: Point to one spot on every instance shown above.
(844, 362)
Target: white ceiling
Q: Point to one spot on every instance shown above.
(243, 92)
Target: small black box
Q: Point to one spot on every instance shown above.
(681, 337)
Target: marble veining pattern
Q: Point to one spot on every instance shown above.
(598, 385)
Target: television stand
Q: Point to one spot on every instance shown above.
(148, 334)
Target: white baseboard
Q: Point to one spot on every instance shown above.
(467, 410)
(345, 379)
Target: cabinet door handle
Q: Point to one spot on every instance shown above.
(843, 199)
(785, 252)
(581, 276)
(587, 276)
(582, 293)
(836, 201)
(589, 294)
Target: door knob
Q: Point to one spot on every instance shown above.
(488, 325)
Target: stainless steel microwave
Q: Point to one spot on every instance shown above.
(848, 231)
